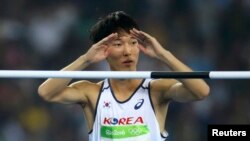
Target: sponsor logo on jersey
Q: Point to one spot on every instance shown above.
(123, 132)
(139, 104)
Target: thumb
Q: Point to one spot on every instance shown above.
(107, 52)
(142, 48)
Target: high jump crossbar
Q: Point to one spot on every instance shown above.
(123, 74)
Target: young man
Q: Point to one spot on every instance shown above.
(124, 109)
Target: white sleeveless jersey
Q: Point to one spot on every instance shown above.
(130, 120)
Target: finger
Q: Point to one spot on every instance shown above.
(142, 34)
(138, 37)
(108, 38)
(146, 34)
(136, 32)
(107, 52)
(143, 49)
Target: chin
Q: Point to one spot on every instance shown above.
(124, 68)
(129, 69)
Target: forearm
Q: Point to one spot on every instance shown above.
(198, 87)
(54, 85)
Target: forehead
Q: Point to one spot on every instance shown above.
(124, 35)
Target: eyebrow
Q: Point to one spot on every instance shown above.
(132, 37)
(119, 38)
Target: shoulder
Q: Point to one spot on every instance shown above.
(87, 85)
(159, 89)
(162, 84)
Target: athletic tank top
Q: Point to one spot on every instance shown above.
(130, 120)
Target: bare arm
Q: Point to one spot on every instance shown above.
(59, 90)
(182, 91)
(185, 90)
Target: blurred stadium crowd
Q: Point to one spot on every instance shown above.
(49, 34)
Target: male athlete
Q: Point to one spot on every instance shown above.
(124, 109)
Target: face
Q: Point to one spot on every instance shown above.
(124, 53)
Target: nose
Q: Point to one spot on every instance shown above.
(127, 50)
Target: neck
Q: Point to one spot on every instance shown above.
(124, 69)
(125, 82)
(124, 88)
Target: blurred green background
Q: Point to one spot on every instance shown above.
(49, 34)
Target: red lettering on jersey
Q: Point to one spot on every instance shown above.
(129, 119)
(121, 121)
(139, 120)
(106, 120)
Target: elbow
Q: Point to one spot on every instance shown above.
(44, 94)
(203, 93)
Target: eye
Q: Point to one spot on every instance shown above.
(117, 44)
(134, 42)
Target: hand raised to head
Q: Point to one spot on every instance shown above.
(147, 43)
(99, 51)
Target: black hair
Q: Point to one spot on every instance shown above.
(114, 22)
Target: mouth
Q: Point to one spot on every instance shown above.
(127, 62)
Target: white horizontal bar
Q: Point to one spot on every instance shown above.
(120, 74)
(74, 74)
(229, 75)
